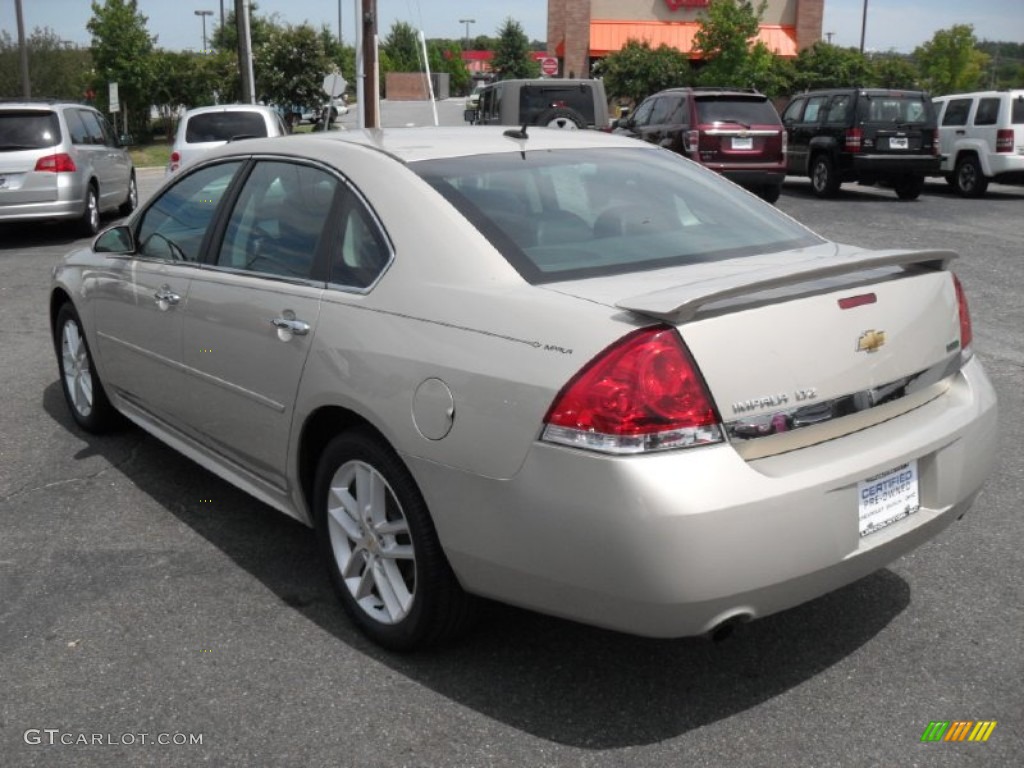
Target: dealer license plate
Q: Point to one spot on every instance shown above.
(899, 143)
(888, 497)
(742, 142)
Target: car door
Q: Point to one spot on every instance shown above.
(108, 161)
(797, 139)
(253, 311)
(139, 300)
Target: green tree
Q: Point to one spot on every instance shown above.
(1006, 64)
(823, 65)
(512, 58)
(290, 67)
(724, 41)
(446, 56)
(55, 69)
(402, 46)
(187, 79)
(950, 62)
(637, 70)
(121, 53)
(892, 70)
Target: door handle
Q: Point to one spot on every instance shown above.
(296, 327)
(166, 296)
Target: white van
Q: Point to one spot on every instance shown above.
(981, 138)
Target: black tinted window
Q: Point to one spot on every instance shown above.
(79, 134)
(224, 126)
(364, 252)
(793, 110)
(535, 100)
(988, 112)
(956, 112)
(895, 108)
(28, 130)
(1017, 117)
(732, 109)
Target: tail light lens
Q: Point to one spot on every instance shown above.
(175, 160)
(936, 146)
(644, 393)
(854, 139)
(60, 162)
(1004, 140)
(691, 141)
(966, 331)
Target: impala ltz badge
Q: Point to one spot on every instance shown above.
(870, 341)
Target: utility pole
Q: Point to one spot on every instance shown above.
(368, 56)
(245, 51)
(467, 22)
(863, 25)
(203, 15)
(26, 82)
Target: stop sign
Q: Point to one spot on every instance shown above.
(549, 66)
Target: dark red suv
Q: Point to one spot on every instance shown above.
(735, 132)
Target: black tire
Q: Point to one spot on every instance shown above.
(969, 180)
(427, 603)
(770, 193)
(908, 187)
(89, 223)
(562, 117)
(131, 202)
(83, 390)
(824, 179)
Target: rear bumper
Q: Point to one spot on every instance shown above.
(880, 166)
(753, 177)
(69, 203)
(672, 544)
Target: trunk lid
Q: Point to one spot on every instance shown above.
(802, 351)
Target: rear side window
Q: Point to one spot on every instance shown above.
(732, 109)
(28, 130)
(224, 126)
(956, 112)
(895, 108)
(1017, 117)
(988, 112)
(839, 109)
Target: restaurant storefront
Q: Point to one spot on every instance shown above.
(580, 31)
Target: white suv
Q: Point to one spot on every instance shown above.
(981, 138)
(204, 128)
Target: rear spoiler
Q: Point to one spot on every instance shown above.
(681, 302)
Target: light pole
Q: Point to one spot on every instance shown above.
(467, 22)
(203, 15)
(863, 25)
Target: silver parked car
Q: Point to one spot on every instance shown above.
(61, 160)
(205, 128)
(562, 369)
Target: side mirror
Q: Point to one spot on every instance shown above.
(115, 241)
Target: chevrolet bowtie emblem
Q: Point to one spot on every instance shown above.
(870, 341)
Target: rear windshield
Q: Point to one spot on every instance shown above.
(28, 130)
(535, 100)
(736, 109)
(224, 126)
(567, 214)
(895, 108)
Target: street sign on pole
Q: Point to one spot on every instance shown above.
(549, 66)
(335, 85)
(115, 102)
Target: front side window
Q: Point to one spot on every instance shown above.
(276, 226)
(793, 111)
(587, 213)
(173, 227)
(642, 116)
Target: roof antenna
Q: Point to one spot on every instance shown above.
(517, 133)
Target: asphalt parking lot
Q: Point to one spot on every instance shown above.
(143, 600)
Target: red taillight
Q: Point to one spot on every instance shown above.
(643, 393)
(175, 160)
(854, 139)
(1004, 140)
(57, 163)
(966, 332)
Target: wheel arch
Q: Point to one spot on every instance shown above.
(318, 429)
(58, 298)
(820, 146)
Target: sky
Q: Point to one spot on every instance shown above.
(899, 25)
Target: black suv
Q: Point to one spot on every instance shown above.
(868, 135)
(732, 131)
